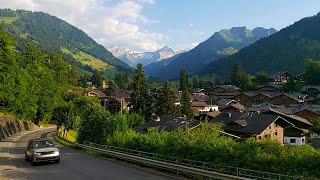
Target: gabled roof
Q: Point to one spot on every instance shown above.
(305, 88)
(227, 87)
(97, 92)
(296, 96)
(269, 85)
(199, 104)
(167, 123)
(290, 118)
(237, 105)
(248, 123)
(225, 102)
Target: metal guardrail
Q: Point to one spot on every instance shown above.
(185, 166)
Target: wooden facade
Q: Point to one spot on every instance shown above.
(224, 91)
(243, 98)
(269, 89)
(260, 98)
(307, 114)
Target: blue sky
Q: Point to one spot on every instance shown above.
(147, 25)
(186, 21)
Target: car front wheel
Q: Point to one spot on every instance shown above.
(33, 162)
(26, 157)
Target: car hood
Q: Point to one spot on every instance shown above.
(48, 149)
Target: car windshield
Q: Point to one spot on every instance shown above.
(42, 144)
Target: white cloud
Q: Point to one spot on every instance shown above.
(190, 25)
(107, 22)
(194, 44)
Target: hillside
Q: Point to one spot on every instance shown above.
(221, 44)
(133, 57)
(283, 51)
(55, 35)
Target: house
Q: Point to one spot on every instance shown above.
(288, 99)
(207, 116)
(244, 98)
(167, 123)
(199, 97)
(312, 91)
(115, 104)
(269, 89)
(247, 125)
(301, 77)
(91, 93)
(237, 107)
(307, 114)
(224, 91)
(294, 136)
(261, 97)
(281, 77)
(199, 91)
(95, 93)
(225, 102)
(199, 107)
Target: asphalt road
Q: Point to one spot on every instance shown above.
(74, 165)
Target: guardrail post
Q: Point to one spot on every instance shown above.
(237, 171)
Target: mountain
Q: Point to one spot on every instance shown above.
(155, 68)
(134, 57)
(55, 35)
(221, 44)
(285, 50)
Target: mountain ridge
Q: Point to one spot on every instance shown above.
(134, 57)
(220, 45)
(53, 35)
(285, 50)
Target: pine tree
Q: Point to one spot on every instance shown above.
(185, 98)
(96, 78)
(140, 92)
(237, 74)
(165, 101)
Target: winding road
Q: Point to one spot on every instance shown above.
(74, 165)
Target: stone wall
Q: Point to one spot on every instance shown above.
(10, 126)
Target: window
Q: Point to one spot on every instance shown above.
(270, 127)
(292, 140)
(302, 140)
(276, 133)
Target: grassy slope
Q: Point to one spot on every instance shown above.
(88, 59)
(8, 20)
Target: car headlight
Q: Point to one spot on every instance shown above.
(37, 153)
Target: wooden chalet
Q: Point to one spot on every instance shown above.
(281, 77)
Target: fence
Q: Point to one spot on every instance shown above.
(184, 166)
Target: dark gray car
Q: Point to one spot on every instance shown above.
(41, 150)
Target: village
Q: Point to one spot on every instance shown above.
(268, 112)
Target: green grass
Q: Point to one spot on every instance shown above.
(88, 59)
(71, 136)
(9, 20)
(63, 141)
(228, 51)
